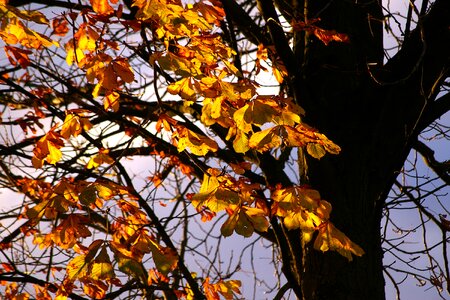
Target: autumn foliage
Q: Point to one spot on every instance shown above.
(207, 120)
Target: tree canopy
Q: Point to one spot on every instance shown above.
(147, 137)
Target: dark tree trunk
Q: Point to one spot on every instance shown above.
(373, 112)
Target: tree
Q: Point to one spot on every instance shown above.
(88, 86)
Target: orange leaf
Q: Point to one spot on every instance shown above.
(327, 36)
(48, 148)
(101, 7)
(20, 56)
(123, 69)
(60, 27)
(74, 125)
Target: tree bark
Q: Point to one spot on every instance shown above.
(374, 112)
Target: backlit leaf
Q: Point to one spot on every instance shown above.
(77, 267)
(74, 124)
(130, 266)
(101, 268)
(213, 195)
(165, 258)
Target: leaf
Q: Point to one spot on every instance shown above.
(227, 289)
(130, 266)
(37, 211)
(74, 125)
(48, 148)
(111, 101)
(101, 268)
(102, 7)
(327, 36)
(182, 87)
(198, 144)
(165, 258)
(17, 55)
(266, 139)
(331, 238)
(316, 150)
(88, 195)
(122, 69)
(244, 220)
(77, 267)
(256, 112)
(213, 195)
(60, 26)
(100, 158)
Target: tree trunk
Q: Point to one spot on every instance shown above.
(374, 112)
(342, 101)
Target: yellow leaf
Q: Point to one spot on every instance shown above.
(244, 220)
(111, 101)
(198, 144)
(229, 288)
(100, 158)
(182, 87)
(255, 112)
(316, 150)
(101, 267)
(240, 142)
(48, 148)
(213, 195)
(266, 139)
(77, 267)
(331, 238)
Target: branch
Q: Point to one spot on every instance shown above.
(435, 110)
(164, 235)
(252, 32)
(441, 169)
(278, 36)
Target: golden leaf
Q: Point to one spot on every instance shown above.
(256, 112)
(198, 144)
(74, 125)
(331, 238)
(100, 158)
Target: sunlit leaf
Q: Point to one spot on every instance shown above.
(101, 267)
(198, 144)
(165, 258)
(316, 150)
(77, 267)
(101, 7)
(331, 238)
(256, 112)
(213, 195)
(100, 158)
(74, 125)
